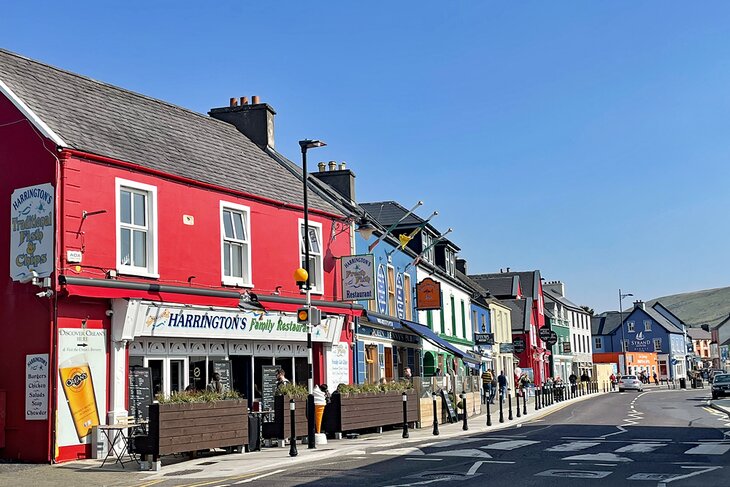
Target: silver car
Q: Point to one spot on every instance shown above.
(630, 382)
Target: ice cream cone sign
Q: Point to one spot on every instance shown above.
(320, 401)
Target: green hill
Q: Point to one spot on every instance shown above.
(699, 307)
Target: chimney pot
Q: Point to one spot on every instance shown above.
(255, 99)
(332, 165)
(244, 100)
(343, 166)
(322, 166)
(233, 102)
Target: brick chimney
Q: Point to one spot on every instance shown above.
(639, 304)
(461, 265)
(255, 121)
(556, 287)
(338, 177)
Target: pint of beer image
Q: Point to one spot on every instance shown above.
(78, 387)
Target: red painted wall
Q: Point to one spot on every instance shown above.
(26, 158)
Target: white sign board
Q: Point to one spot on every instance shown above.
(358, 282)
(338, 366)
(36, 386)
(82, 384)
(168, 321)
(31, 231)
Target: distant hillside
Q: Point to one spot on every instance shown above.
(708, 306)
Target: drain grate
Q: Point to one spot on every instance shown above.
(183, 472)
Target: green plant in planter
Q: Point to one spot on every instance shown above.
(196, 397)
(456, 400)
(399, 386)
(294, 391)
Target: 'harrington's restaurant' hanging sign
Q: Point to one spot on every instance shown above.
(357, 277)
(31, 231)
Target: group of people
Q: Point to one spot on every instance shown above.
(645, 379)
(492, 384)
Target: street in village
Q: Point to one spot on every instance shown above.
(657, 437)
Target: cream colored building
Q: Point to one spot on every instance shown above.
(501, 317)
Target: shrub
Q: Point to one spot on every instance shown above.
(397, 386)
(294, 391)
(196, 397)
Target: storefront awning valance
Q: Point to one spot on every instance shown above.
(427, 334)
(381, 319)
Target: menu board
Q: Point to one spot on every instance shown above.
(451, 413)
(268, 389)
(140, 393)
(425, 387)
(223, 368)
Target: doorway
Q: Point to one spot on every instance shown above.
(388, 364)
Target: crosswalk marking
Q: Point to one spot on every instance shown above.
(600, 457)
(400, 451)
(509, 445)
(639, 448)
(574, 446)
(469, 452)
(708, 449)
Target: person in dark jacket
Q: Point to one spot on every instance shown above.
(502, 382)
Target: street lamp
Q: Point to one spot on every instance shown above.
(308, 144)
(621, 297)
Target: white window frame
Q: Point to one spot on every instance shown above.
(152, 252)
(647, 325)
(631, 326)
(317, 287)
(428, 255)
(408, 296)
(246, 280)
(598, 342)
(657, 340)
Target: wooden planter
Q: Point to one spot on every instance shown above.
(188, 427)
(280, 428)
(349, 412)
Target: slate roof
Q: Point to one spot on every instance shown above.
(698, 334)
(562, 300)
(663, 321)
(520, 319)
(389, 212)
(606, 323)
(102, 119)
(528, 280)
(504, 287)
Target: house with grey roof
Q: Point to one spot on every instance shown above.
(578, 321)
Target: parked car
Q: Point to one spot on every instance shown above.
(630, 382)
(721, 385)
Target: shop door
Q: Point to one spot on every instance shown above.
(178, 369)
(388, 364)
(241, 377)
(198, 377)
(157, 374)
(301, 371)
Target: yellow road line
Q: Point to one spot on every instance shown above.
(152, 483)
(219, 480)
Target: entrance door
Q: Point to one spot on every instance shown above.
(388, 364)
(178, 368)
(157, 374)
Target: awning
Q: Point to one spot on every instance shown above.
(287, 304)
(427, 334)
(381, 319)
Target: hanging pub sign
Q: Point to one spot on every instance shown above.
(358, 281)
(545, 333)
(519, 344)
(428, 294)
(552, 339)
(484, 338)
(506, 348)
(566, 347)
(31, 231)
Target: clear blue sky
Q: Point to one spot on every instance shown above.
(587, 139)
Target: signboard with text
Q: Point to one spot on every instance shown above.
(484, 338)
(519, 344)
(400, 300)
(381, 283)
(358, 281)
(31, 231)
(428, 294)
(36, 386)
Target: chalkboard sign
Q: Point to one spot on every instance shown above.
(268, 372)
(140, 393)
(451, 413)
(223, 368)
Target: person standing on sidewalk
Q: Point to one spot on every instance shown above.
(487, 385)
(502, 381)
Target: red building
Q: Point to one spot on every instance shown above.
(145, 234)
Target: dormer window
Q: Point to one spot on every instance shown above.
(428, 255)
(450, 262)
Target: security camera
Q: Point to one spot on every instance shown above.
(109, 312)
(29, 278)
(45, 294)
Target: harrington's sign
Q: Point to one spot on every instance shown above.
(31, 231)
(428, 294)
(169, 321)
(357, 277)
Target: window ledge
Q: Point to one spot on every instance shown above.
(236, 283)
(136, 273)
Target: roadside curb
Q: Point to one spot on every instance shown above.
(717, 407)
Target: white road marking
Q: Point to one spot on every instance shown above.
(651, 476)
(424, 459)
(445, 443)
(246, 481)
(573, 446)
(509, 445)
(621, 431)
(698, 472)
(470, 452)
(474, 468)
(640, 448)
(600, 457)
(400, 451)
(576, 474)
(708, 449)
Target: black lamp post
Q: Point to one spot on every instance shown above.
(308, 144)
(621, 297)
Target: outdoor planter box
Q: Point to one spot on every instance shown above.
(349, 412)
(188, 427)
(280, 428)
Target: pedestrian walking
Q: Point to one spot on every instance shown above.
(573, 379)
(487, 384)
(502, 382)
(656, 379)
(613, 381)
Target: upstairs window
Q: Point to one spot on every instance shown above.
(428, 255)
(316, 264)
(647, 325)
(631, 326)
(407, 296)
(391, 292)
(235, 245)
(598, 344)
(450, 262)
(136, 217)
(657, 344)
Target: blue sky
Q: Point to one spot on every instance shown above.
(586, 139)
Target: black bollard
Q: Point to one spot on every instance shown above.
(509, 405)
(405, 415)
(537, 399)
(310, 422)
(517, 398)
(489, 414)
(435, 417)
(524, 403)
(501, 408)
(293, 440)
(463, 408)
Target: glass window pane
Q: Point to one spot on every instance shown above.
(227, 224)
(236, 260)
(139, 247)
(125, 204)
(125, 241)
(226, 259)
(140, 210)
(238, 225)
(314, 240)
(313, 272)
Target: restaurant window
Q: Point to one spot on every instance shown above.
(136, 228)
(235, 245)
(391, 292)
(316, 268)
(407, 296)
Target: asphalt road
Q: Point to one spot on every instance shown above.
(657, 438)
